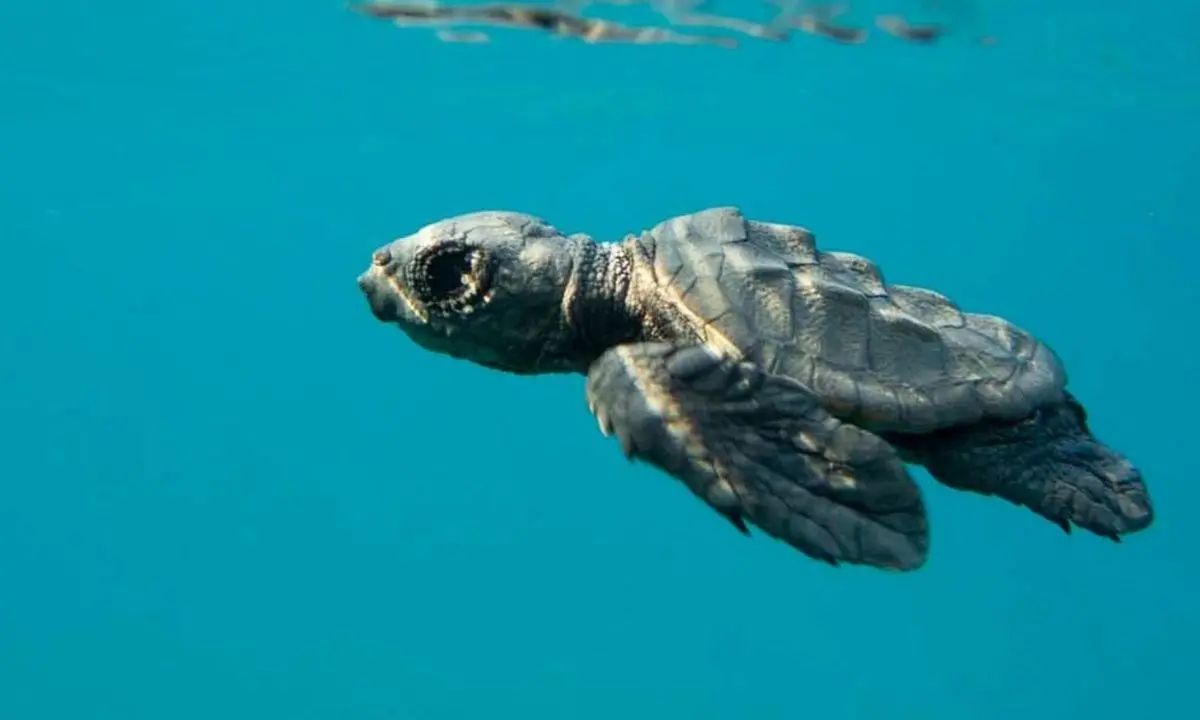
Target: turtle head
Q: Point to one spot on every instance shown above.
(486, 287)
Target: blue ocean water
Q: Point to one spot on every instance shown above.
(227, 491)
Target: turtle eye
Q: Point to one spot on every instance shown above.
(446, 274)
(450, 276)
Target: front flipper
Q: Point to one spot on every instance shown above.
(760, 447)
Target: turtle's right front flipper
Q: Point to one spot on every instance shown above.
(759, 447)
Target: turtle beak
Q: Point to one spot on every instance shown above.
(383, 304)
(383, 286)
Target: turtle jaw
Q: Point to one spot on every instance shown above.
(386, 293)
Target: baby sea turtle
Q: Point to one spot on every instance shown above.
(786, 386)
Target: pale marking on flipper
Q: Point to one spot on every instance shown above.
(722, 492)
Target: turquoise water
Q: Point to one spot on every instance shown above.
(227, 491)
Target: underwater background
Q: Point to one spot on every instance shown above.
(227, 491)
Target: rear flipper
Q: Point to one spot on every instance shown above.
(1050, 463)
(759, 447)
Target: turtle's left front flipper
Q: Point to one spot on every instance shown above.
(760, 447)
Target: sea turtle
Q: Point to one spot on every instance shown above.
(785, 386)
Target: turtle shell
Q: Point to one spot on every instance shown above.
(888, 357)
